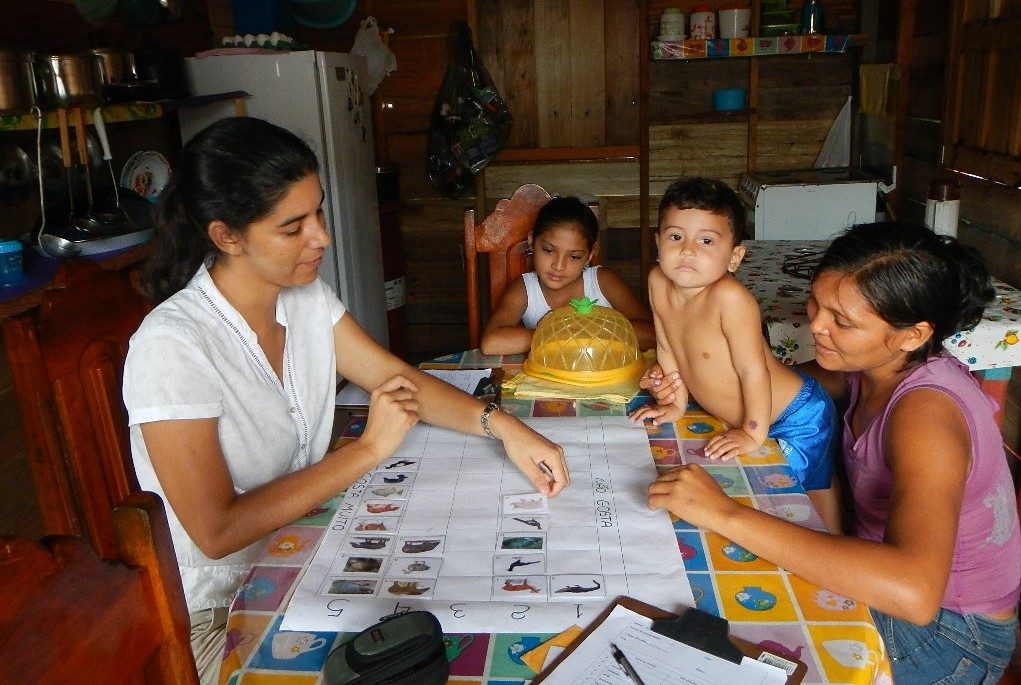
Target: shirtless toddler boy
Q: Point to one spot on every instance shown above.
(708, 330)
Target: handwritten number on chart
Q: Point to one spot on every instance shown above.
(400, 608)
(334, 607)
(458, 613)
(522, 610)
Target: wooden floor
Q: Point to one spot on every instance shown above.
(18, 512)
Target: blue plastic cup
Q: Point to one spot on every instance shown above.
(730, 99)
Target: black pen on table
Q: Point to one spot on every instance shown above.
(625, 665)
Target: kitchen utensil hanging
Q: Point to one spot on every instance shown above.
(97, 119)
(65, 158)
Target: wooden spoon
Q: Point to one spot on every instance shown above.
(81, 136)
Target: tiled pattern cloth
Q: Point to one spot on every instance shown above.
(833, 635)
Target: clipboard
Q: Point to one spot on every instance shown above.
(693, 627)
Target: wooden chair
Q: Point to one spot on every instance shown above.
(67, 616)
(67, 362)
(503, 238)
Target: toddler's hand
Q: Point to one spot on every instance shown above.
(730, 444)
(657, 414)
(662, 387)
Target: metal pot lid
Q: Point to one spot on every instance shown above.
(15, 174)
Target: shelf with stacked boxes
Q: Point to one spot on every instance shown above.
(762, 46)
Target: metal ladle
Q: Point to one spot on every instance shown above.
(54, 246)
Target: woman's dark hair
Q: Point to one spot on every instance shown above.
(234, 171)
(910, 274)
(709, 195)
(563, 210)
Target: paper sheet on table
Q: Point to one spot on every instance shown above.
(352, 395)
(659, 660)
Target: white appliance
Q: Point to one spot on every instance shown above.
(809, 204)
(319, 97)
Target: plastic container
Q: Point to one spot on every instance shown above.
(943, 206)
(730, 99)
(703, 22)
(11, 271)
(734, 21)
(671, 24)
(585, 345)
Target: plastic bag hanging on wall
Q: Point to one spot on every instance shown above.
(378, 58)
(470, 122)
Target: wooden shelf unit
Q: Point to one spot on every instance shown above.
(791, 102)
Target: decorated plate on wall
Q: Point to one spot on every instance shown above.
(146, 172)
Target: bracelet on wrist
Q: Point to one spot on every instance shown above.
(484, 419)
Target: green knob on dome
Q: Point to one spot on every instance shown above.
(584, 305)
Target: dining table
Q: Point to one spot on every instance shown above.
(778, 272)
(766, 605)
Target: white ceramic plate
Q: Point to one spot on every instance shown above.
(146, 172)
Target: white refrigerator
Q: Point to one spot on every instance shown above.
(319, 97)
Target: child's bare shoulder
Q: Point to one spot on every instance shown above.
(729, 290)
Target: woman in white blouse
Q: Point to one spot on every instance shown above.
(230, 380)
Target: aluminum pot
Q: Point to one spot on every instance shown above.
(69, 80)
(116, 66)
(17, 84)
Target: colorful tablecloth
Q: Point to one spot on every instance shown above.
(782, 295)
(832, 634)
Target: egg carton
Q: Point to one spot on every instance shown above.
(272, 41)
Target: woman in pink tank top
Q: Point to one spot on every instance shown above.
(936, 552)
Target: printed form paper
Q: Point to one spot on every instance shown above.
(352, 395)
(449, 525)
(658, 660)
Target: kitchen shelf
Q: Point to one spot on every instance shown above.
(114, 113)
(760, 46)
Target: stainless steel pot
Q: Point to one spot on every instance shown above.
(116, 66)
(17, 84)
(69, 80)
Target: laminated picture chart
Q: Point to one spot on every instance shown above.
(449, 525)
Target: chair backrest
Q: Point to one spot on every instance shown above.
(71, 354)
(503, 238)
(68, 616)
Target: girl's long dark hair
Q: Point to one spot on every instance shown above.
(567, 209)
(233, 171)
(910, 274)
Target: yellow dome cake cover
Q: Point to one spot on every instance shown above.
(585, 344)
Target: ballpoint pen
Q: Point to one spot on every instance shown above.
(625, 665)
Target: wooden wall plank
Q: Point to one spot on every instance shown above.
(505, 43)
(553, 78)
(585, 56)
(717, 150)
(620, 39)
(567, 178)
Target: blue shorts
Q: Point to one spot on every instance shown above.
(954, 648)
(805, 432)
